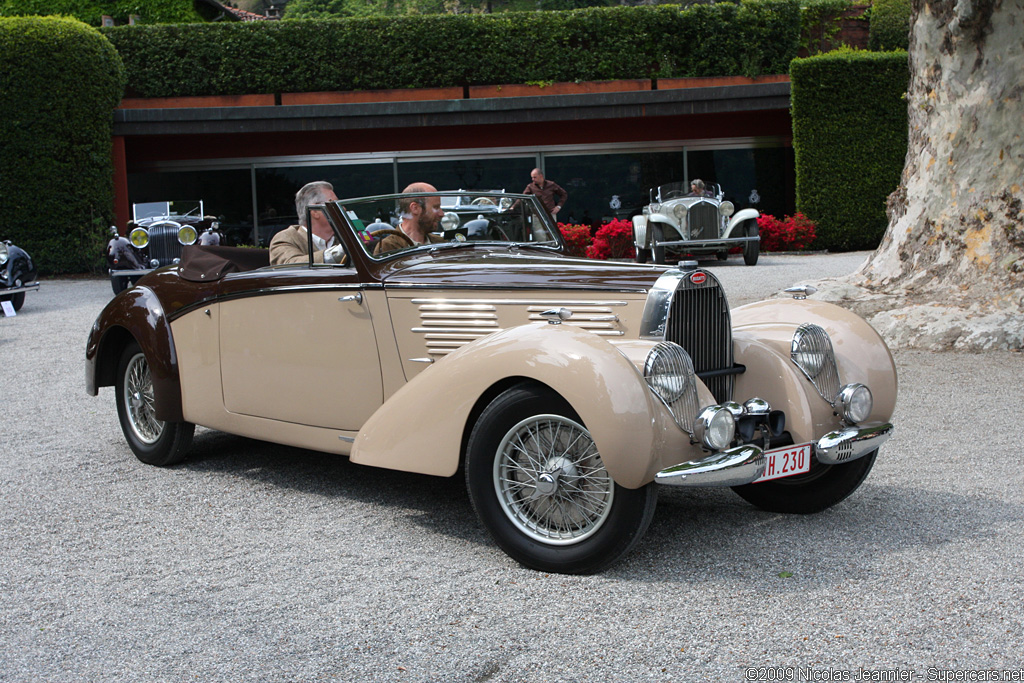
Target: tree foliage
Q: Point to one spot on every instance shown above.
(92, 11)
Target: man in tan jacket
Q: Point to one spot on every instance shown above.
(291, 245)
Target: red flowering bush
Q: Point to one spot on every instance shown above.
(577, 238)
(613, 240)
(793, 233)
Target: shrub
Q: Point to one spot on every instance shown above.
(794, 233)
(577, 238)
(92, 11)
(60, 81)
(613, 240)
(890, 25)
(850, 142)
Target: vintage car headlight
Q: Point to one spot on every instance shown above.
(855, 402)
(810, 350)
(715, 427)
(139, 237)
(450, 221)
(726, 209)
(187, 235)
(668, 371)
(680, 212)
(505, 204)
(3, 253)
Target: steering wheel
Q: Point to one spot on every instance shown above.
(385, 232)
(675, 194)
(483, 201)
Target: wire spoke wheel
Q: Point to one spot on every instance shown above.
(550, 480)
(138, 401)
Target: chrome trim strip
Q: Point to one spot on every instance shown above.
(732, 467)
(347, 439)
(542, 304)
(561, 288)
(844, 445)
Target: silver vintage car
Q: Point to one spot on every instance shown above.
(681, 221)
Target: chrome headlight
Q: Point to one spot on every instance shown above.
(3, 253)
(139, 237)
(715, 427)
(855, 402)
(505, 204)
(450, 221)
(810, 350)
(668, 371)
(187, 235)
(679, 210)
(726, 209)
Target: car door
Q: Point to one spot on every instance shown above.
(301, 350)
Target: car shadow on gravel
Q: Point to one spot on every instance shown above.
(696, 536)
(712, 534)
(439, 504)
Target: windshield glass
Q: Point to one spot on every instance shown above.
(455, 218)
(177, 207)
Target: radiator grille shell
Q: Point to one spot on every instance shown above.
(699, 321)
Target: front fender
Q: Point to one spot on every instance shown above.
(739, 219)
(421, 427)
(763, 334)
(135, 314)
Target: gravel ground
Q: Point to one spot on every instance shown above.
(256, 562)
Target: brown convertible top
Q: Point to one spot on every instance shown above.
(206, 264)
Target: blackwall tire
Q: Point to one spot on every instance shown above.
(538, 485)
(658, 252)
(153, 441)
(817, 490)
(751, 250)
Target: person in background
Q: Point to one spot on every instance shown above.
(550, 193)
(697, 189)
(291, 245)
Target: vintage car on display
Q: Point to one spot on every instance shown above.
(678, 222)
(17, 274)
(476, 215)
(155, 237)
(565, 391)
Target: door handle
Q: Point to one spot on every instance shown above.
(357, 297)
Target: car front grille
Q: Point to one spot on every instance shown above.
(703, 221)
(163, 243)
(699, 321)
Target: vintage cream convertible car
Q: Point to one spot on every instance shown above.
(566, 391)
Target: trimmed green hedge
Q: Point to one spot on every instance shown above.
(850, 139)
(59, 83)
(92, 11)
(459, 50)
(890, 25)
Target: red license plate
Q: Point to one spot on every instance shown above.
(785, 462)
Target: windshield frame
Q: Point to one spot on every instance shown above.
(531, 208)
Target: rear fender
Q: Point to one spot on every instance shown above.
(135, 314)
(423, 426)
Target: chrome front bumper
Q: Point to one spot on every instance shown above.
(17, 290)
(745, 464)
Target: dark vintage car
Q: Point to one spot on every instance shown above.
(155, 237)
(565, 391)
(678, 221)
(17, 274)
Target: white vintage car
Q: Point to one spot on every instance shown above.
(565, 391)
(682, 222)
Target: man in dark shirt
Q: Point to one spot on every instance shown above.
(551, 195)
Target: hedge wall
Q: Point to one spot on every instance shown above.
(59, 83)
(890, 25)
(92, 11)
(850, 139)
(458, 50)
